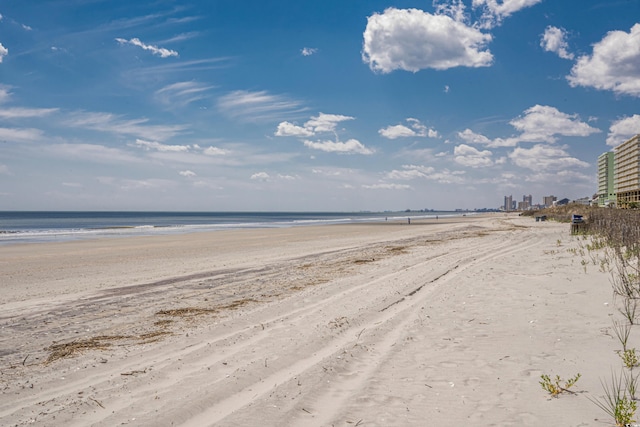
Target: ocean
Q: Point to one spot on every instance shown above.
(38, 227)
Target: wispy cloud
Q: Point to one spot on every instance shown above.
(19, 113)
(182, 93)
(258, 106)
(159, 51)
(20, 134)
(107, 122)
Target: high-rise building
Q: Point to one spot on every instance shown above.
(606, 182)
(508, 203)
(527, 202)
(547, 201)
(627, 173)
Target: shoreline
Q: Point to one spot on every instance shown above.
(448, 321)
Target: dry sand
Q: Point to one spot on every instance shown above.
(437, 323)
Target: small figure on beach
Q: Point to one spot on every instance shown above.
(409, 220)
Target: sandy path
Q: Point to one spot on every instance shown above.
(437, 324)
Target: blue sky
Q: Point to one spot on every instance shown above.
(311, 105)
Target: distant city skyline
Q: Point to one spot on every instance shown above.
(247, 105)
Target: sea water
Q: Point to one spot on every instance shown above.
(32, 226)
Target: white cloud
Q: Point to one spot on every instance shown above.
(106, 122)
(92, 153)
(623, 129)
(541, 123)
(466, 155)
(387, 187)
(412, 40)
(614, 64)
(471, 137)
(20, 134)
(20, 113)
(322, 123)
(182, 93)
(215, 151)
(397, 131)
(260, 176)
(544, 157)
(308, 51)
(348, 147)
(4, 170)
(289, 129)
(554, 40)
(495, 10)
(3, 52)
(187, 173)
(159, 51)
(153, 145)
(410, 172)
(5, 94)
(415, 129)
(257, 106)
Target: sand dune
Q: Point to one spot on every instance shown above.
(440, 323)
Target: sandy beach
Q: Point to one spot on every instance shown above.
(443, 322)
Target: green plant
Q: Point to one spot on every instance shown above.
(617, 402)
(554, 388)
(629, 358)
(622, 331)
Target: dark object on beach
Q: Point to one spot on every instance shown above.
(541, 218)
(576, 219)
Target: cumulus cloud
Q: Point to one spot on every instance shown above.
(414, 129)
(159, 51)
(187, 173)
(215, 151)
(540, 123)
(466, 155)
(308, 51)
(290, 129)
(614, 64)
(257, 106)
(445, 176)
(352, 146)
(473, 138)
(623, 129)
(152, 145)
(554, 40)
(544, 157)
(321, 123)
(260, 176)
(412, 40)
(495, 10)
(3, 52)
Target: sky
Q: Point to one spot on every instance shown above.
(314, 105)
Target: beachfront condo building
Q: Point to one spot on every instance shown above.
(508, 203)
(547, 201)
(627, 173)
(606, 182)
